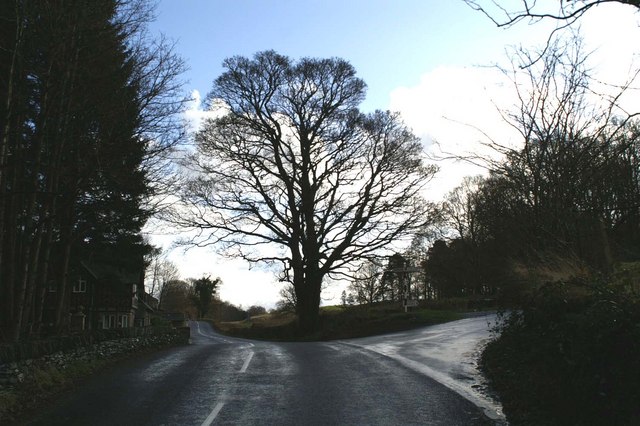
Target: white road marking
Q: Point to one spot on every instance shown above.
(332, 346)
(246, 363)
(212, 416)
(218, 339)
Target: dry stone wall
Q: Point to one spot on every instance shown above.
(13, 372)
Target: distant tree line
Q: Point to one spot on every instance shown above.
(565, 197)
(88, 106)
(569, 193)
(195, 297)
(559, 216)
(199, 299)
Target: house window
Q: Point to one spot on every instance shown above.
(124, 320)
(108, 321)
(80, 286)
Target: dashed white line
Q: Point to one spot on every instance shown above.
(212, 416)
(246, 362)
(208, 336)
(332, 346)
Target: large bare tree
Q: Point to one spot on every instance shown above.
(506, 14)
(367, 286)
(558, 190)
(294, 174)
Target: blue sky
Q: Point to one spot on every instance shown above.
(390, 43)
(426, 59)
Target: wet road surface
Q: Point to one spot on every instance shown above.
(226, 381)
(448, 353)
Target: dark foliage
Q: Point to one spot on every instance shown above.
(225, 311)
(255, 310)
(203, 291)
(572, 357)
(86, 99)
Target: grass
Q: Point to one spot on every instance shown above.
(337, 322)
(43, 384)
(8, 402)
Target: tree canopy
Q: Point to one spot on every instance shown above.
(293, 173)
(86, 115)
(566, 12)
(563, 200)
(203, 292)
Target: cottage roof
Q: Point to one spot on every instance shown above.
(101, 271)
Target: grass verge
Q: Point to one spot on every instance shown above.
(42, 382)
(337, 322)
(42, 385)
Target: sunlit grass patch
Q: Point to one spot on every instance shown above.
(275, 319)
(337, 322)
(333, 309)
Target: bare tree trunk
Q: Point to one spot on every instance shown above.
(6, 281)
(48, 213)
(63, 280)
(32, 230)
(308, 303)
(33, 272)
(42, 283)
(6, 131)
(66, 135)
(66, 237)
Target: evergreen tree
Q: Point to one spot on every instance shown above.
(76, 142)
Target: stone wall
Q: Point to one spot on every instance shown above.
(79, 348)
(36, 348)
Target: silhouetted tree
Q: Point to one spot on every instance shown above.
(293, 164)
(225, 311)
(394, 280)
(366, 287)
(440, 269)
(158, 273)
(203, 291)
(566, 12)
(288, 299)
(255, 310)
(87, 97)
(177, 296)
(553, 192)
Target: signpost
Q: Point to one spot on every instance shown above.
(410, 303)
(406, 270)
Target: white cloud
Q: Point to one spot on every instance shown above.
(454, 110)
(450, 105)
(196, 113)
(241, 284)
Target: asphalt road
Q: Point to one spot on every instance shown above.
(448, 353)
(225, 381)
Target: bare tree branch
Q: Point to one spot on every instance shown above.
(295, 174)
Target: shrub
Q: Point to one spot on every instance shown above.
(572, 356)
